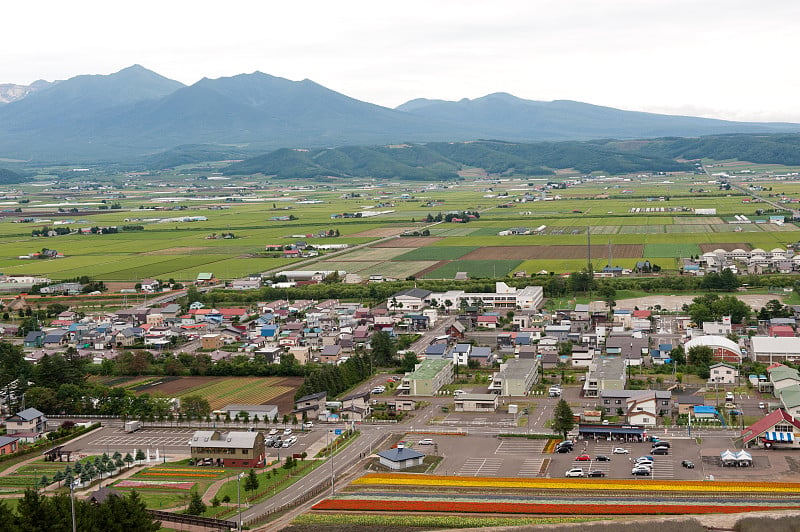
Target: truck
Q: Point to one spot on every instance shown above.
(132, 426)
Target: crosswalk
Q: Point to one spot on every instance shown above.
(480, 467)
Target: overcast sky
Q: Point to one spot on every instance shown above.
(733, 59)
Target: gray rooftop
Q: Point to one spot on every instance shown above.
(400, 454)
(227, 440)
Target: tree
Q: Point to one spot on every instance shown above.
(384, 348)
(409, 361)
(678, 355)
(140, 455)
(251, 481)
(701, 356)
(128, 460)
(196, 504)
(563, 418)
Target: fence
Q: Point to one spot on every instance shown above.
(274, 512)
(207, 522)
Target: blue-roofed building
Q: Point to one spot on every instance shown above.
(34, 339)
(436, 351)
(523, 338)
(400, 458)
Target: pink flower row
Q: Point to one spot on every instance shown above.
(156, 485)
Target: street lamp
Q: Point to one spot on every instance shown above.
(72, 504)
(238, 498)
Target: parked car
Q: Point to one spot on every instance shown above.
(620, 450)
(662, 443)
(660, 451)
(286, 432)
(564, 449)
(308, 425)
(273, 432)
(426, 441)
(645, 457)
(459, 392)
(643, 471)
(762, 405)
(602, 458)
(574, 472)
(595, 473)
(687, 464)
(583, 458)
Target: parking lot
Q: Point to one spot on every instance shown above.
(174, 441)
(487, 455)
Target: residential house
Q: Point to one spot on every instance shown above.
(34, 339)
(605, 373)
(330, 354)
(483, 355)
(722, 373)
(150, 285)
(355, 407)
(310, 406)
(211, 341)
(461, 354)
(28, 425)
(8, 444)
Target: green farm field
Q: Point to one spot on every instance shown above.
(182, 249)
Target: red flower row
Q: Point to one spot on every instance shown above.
(533, 508)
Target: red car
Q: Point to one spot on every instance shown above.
(583, 458)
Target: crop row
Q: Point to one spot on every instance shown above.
(534, 508)
(593, 484)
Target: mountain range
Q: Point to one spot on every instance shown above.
(136, 114)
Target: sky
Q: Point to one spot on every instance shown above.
(730, 59)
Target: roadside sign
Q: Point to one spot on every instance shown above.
(337, 431)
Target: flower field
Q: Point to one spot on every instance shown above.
(395, 479)
(382, 505)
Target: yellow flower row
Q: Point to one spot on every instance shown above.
(594, 484)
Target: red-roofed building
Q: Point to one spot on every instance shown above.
(231, 313)
(644, 314)
(782, 331)
(489, 322)
(776, 429)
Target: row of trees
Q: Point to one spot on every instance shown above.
(337, 378)
(38, 513)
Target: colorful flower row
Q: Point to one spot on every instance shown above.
(188, 470)
(156, 474)
(534, 508)
(593, 484)
(156, 485)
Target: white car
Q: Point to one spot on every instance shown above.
(762, 405)
(273, 432)
(643, 463)
(574, 472)
(459, 392)
(308, 425)
(620, 450)
(426, 441)
(286, 432)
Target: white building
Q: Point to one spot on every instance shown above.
(723, 374)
